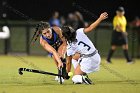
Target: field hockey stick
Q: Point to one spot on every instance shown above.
(20, 70)
(60, 74)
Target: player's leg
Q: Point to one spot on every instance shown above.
(78, 77)
(75, 58)
(125, 50)
(86, 65)
(111, 51)
(114, 43)
(124, 42)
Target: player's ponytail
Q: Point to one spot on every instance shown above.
(39, 32)
(39, 27)
(34, 35)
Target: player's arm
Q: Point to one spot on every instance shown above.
(96, 23)
(119, 28)
(116, 24)
(59, 32)
(76, 56)
(68, 63)
(50, 49)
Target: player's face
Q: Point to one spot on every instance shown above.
(120, 13)
(47, 33)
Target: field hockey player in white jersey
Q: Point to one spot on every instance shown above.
(79, 44)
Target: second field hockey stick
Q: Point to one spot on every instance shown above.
(20, 70)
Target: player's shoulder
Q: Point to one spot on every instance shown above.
(56, 28)
(116, 18)
(80, 30)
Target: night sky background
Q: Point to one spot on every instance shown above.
(42, 9)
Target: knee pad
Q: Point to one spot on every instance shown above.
(77, 79)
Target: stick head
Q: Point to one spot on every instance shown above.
(20, 71)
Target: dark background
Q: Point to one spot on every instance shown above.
(42, 9)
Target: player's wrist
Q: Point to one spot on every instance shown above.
(100, 19)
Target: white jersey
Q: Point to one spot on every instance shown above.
(83, 45)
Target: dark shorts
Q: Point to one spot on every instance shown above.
(56, 48)
(50, 54)
(118, 38)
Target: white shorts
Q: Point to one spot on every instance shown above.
(90, 64)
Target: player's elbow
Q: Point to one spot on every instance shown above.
(88, 29)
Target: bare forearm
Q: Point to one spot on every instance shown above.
(119, 28)
(96, 23)
(53, 51)
(68, 67)
(56, 56)
(68, 64)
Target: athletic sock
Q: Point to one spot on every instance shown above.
(110, 55)
(126, 55)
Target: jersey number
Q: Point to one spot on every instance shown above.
(85, 45)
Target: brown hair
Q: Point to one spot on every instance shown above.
(39, 27)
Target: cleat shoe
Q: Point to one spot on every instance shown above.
(87, 77)
(61, 79)
(86, 80)
(130, 62)
(58, 79)
(108, 62)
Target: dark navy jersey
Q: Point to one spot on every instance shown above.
(55, 41)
